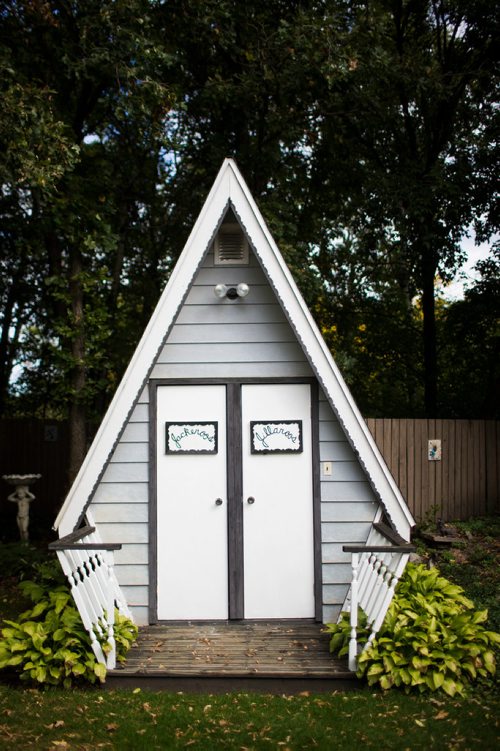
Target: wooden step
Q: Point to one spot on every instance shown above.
(243, 655)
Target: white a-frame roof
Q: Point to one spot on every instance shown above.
(229, 189)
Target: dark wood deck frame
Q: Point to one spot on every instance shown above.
(221, 656)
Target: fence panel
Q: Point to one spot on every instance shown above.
(33, 447)
(464, 482)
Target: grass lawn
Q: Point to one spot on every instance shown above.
(94, 719)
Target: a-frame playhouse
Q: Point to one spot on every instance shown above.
(233, 475)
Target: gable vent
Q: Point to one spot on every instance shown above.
(231, 246)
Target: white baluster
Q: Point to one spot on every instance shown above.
(353, 645)
(76, 591)
(374, 594)
(365, 575)
(398, 566)
(95, 590)
(108, 567)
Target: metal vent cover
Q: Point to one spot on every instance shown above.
(230, 246)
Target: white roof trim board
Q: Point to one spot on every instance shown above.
(230, 188)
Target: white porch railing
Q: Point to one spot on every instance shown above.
(376, 569)
(87, 563)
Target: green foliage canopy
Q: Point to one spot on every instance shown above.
(366, 131)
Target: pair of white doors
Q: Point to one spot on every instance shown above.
(196, 504)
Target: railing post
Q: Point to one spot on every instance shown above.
(110, 596)
(353, 644)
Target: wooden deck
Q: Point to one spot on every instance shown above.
(286, 656)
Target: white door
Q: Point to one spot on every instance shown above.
(278, 520)
(191, 503)
(277, 552)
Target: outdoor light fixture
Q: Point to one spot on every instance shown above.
(222, 290)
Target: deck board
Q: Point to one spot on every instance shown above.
(287, 649)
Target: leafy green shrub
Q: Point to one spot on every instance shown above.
(19, 559)
(49, 644)
(431, 638)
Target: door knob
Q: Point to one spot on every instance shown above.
(250, 500)
(218, 502)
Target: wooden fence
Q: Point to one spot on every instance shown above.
(34, 447)
(465, 482)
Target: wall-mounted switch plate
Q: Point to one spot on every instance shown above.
(327, 469)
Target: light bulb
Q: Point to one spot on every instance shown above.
(242, 289)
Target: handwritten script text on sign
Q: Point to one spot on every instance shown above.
(191, 437)
(276, 436)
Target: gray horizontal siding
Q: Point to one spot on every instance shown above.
(231, 352)
(116, 492)
(139, 414)
(346, 491)
(215, 338)
(345, 532)
(223, 339)
(133, 452)
(237, 314)
(247, 333)
(132, 575)
(336, 451)
(348, 508)
(136, 598)
(210, 275)
(332, 553)
(342, 513)
(331, 613)
(234, 370)
(258, 295)
(122, 472)
(135, 432)
(136, 553)
(130, 513)
(124, 532)
(330, 431)
(340, 574)
(344, 472)
(334, 594)
(210, 339)
(140, 613)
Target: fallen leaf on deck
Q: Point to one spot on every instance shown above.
(441, 715)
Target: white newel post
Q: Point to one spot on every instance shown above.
(110, 594)
(353, 644)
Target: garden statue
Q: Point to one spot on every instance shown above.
(23, 497)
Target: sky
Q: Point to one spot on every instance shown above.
(467, 275)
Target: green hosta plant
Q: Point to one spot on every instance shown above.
(431, 638)
(49, 644)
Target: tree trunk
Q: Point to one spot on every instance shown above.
(77, 416)
(429, 333)
(7, 350)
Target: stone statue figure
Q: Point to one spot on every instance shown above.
(23, 498)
